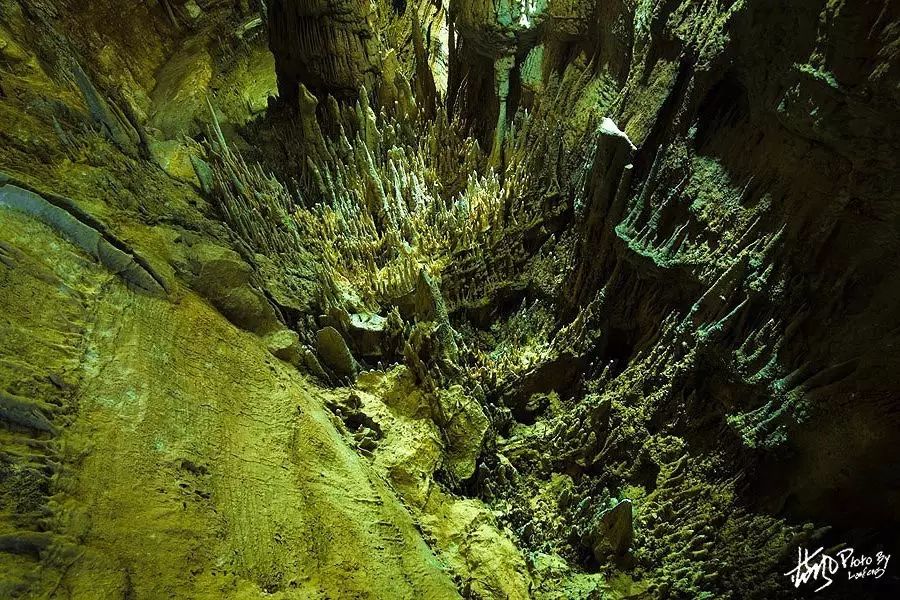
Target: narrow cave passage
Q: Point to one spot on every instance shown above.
(448, 299)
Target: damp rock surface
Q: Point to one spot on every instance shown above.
(550, 299)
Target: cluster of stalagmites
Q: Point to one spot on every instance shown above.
(378, 214)
(399, 259)
(403, 261)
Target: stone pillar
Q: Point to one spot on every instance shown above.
(327, 45)
(503, 67)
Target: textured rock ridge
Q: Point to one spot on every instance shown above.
(417, 299)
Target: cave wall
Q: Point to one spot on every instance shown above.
(794, 140)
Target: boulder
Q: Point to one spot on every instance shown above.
(367, 330)
(612, 531)
(464, 423)
(333, 350)
(222, 277)
(215, 268)
(285, 344)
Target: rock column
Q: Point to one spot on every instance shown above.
(327, 45)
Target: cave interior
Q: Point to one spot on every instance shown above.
(426, 299)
